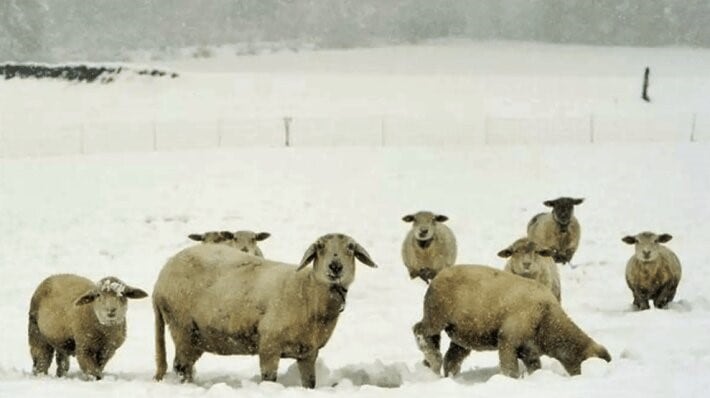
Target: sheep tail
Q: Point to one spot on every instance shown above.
(161, 363)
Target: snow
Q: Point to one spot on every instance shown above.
(125, 213)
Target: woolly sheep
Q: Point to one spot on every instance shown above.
(71, 315)
(558, 230)
(482, 308)
(429, 246)
(653, 272)
(217, 299)
(245, 241)
(530, 260)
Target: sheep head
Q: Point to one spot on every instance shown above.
(333, 258)
(525, 257)
(424, 225)
(563, 209)
(647, 245)
(109, 300)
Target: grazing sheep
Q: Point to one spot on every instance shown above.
(653, 272)
(482, 308)
(217, 299)
(530, 260)
(242, 240)
(558, 230)
(71, 315)
(429, 246)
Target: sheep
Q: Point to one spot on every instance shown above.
(61, 321)
(482, 308)
(653, 272)
(429, 246)
(217, 299)
(558, 230)
(530, 260)
(246, 241)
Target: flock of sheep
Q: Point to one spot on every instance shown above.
(224, 297)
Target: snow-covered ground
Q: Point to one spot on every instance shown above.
(440, 94)
(126, 213)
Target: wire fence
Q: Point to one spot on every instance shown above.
(40, 138)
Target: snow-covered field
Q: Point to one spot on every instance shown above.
(126, 213)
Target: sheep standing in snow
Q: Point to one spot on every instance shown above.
(71, 315)
(429, 246)
(558, 230)
(529, 260)
(217, 299)
(482, 308)
(245, 241)
(653, 272)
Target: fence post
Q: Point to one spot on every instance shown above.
(82, 145)
(591, 128)
(692, 127)
(219, 133)
(287, 130)
(155, 137)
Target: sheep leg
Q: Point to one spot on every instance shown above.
(453, 359)
(307, 369)
(531, 358)
(429, 344)
(640, 301)
(269, 364)
(87, 363)
(665, 296)
(508, 355)
(62, 363)
(41, 357)
(184, 362)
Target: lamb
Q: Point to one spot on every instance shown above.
(217, 299)
(71, 315)
(482, 308)
(558, 230)
(246, 241)
(653, 272)
(429, 246)
(529, 260)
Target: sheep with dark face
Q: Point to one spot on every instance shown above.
(482, 308)
(530, 260)
(429, 246)
(218, 299)
(71, 315)
(245, 241)
(653, 272)
(558, 230)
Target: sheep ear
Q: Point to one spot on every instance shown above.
(262, 236)
(549, 203)
(545, 252)
(505, 253)
(226, 235)
(87, 297)
(408, 218)
(577, 201)
(197, 237)
(362, 255)
(629, 239)
(440, 218)
(308, 257)
(663, 238)
(134, 293)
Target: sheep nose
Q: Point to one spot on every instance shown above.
(336, 267)
(527, 265)
(111, 313)
(646, 254)
(423, 232)
(245, 250)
